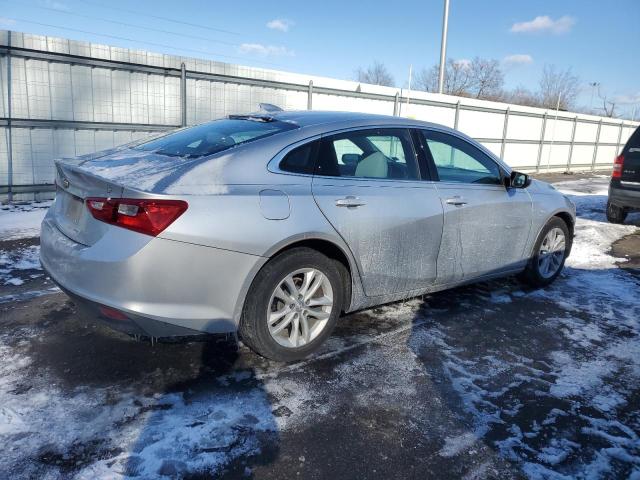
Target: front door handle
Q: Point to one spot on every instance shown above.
(349, 202)
(457, 201)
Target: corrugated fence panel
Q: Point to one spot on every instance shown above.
(4, 158)
(520, 155)
(39, 100)
(102, 98)
(82, 93)
(558, 130)
(61, 92)
(524, 128)
(3, 86)
(481, 124)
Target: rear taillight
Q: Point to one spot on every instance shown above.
(140, 215)
(618, 163)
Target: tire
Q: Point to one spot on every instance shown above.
(615, 214)
(536, 274)
(278, 342)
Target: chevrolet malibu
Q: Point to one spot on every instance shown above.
(274, 224)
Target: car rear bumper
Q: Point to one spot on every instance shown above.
(160, 287)
(624, 197)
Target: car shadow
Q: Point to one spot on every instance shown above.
(219, 423)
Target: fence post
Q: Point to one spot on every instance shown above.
(619, 137)
(542, 130)
(310, 96)
(504, 133)
(595, 148)
(183, 95)
(455, 121)
(396, 104)
(573, 138)
(9, 139)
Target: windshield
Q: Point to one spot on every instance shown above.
(214, 137)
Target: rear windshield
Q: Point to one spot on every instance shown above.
(214, 137)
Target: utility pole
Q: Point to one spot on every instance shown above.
(593, 85)
(443, 47)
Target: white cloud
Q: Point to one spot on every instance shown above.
(280, 24)
(463, 62)
(518, 59)
(56, 5)
(627, 98)
(265, 50)
(7, 21)
(545, 23)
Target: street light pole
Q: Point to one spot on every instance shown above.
(443, 47)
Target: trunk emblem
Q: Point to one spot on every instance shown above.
(65, 183)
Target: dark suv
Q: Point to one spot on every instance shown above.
(624, 190)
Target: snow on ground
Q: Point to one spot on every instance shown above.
(565, 407)
(22, 220)
(17, 262)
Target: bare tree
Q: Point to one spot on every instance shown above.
(608, 106)
(486, 78)
(457, 78)
(479, 78)
(521, 96)
(375, 74)
(558, 86)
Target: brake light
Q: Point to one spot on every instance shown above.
(140, 215)
(618, 164)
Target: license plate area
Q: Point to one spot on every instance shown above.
(71, 207)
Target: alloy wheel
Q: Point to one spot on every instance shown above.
(300, 307)
(551, 253)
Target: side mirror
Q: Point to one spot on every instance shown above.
(517, 180)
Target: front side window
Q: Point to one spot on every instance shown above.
(214, 137)
(373, 153)
(458, 161)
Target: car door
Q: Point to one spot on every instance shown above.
(486, 225)
(367, 184)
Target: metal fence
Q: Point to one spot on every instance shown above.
(64, 98)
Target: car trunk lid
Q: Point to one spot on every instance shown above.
(72, 217)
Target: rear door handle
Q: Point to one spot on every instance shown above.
(350, 202)
(457, 201)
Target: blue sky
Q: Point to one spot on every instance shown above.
(598, 40)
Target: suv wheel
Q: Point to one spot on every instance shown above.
(615, 214)
(293, 305)
(550, 252)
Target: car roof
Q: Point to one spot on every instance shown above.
(309, 118)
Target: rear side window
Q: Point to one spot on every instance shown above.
(214, 137)
(300, 159)
(374, 153)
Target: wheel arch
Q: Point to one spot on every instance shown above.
(321, 243)
(563, 215)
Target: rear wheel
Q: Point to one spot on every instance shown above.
(550, 253)
(293, 305)
(615, 214)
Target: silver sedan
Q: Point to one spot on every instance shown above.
(274, 224)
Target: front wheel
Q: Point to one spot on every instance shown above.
(550, 252)
(615, 214)
(293, 305)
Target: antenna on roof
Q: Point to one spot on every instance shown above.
(270, 108)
